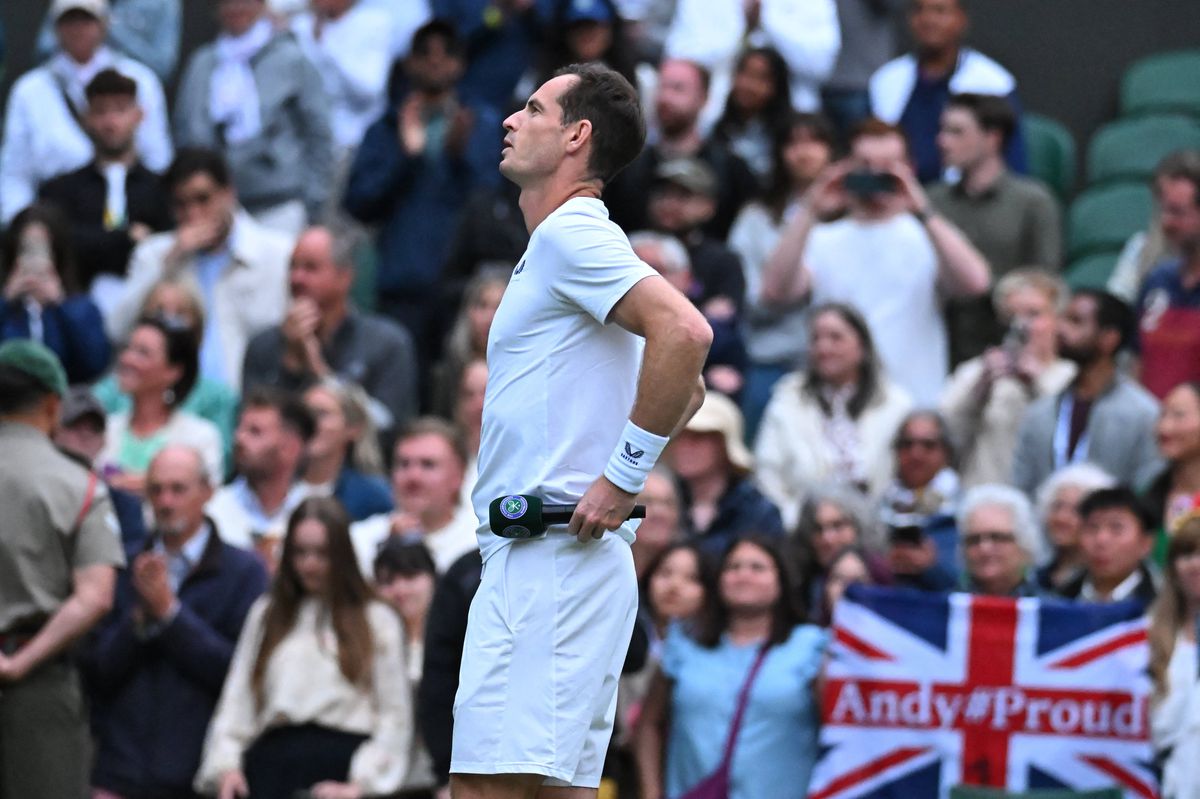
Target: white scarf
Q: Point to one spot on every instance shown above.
(74, 77)
(233, 94)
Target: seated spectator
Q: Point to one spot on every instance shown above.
(776, 335)
(253, 95)
(721, 503)
(416, 167)
(342, 459)
(581, 32)
(404, 578)
(831, 520)
(113, 202)
(323, 335)
(757, 110)
(999, 541)
(1174, 720)
(157, 369)
(987, 396)
(663, 525)
(42, 135)
(157, 663)
(911, 91)
(316, 699)
(869, 35)
(427, 477)
(1116, 540)
(1172, 494)
(468, 418)
(237, 265)
(489, 230)
(850, 566)
(680, 97)
(1012, 220)
(1102, 417)
(726, 361)
(468, 336)
(890, 255)
(145, 30)
(1168, 304)
(834, 422)
(179, 301)
(1147, 248)
(42, 298)
(693, 700)
(272, 434)
(1058, 501)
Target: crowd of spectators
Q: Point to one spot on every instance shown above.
(271, 295)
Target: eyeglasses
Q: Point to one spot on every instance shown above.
(994, 537)
(928, 444)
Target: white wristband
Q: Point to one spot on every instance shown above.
(636, 453)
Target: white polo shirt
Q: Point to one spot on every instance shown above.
(561, 382)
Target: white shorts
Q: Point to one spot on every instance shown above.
(546, 639)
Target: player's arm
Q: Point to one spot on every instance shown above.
(668, 392)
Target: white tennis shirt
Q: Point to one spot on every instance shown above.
(561, 382)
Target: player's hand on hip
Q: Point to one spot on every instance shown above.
(603, 507)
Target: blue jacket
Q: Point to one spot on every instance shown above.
(362, 495)
(153, 696)
(73, 329)
(742, 511)
(416, 199)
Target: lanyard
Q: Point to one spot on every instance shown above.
(1062, 435)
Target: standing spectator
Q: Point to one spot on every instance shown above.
(721, 502)
(1000, 542)
(833, 422)
(489, 231)
(272, 435)
(582, 32)
(1058, 501)
(1168, 303)
(1116, 539)
(237, 265)
(1175, 712)
(986, 397)
(114, 202)
(157, 369)
(892, 256)
(663, 525)
(427, 476)
(468, 337)
(44, 134)
(253, 96)
(757, 110)
(832, 519)
(342, 459)
(1102, 417)
(1012, 220)
(683, 88)
(911, 91)
(414, 171)
(317, 698)
(691, 705)
(1172, 494)
(678, 582)
(58, 555)
(848, 567)
(776, 335)
(324, 336)
(42, 299)
(157, 663)
(868, 41)
(145, 30)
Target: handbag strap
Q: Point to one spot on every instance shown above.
(740, 711)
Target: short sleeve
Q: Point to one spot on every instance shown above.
(596, 266)
(678, 649)
(98, 534)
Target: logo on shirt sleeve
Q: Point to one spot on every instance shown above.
(632, 454)
(520, 268)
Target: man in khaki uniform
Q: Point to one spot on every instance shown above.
(59, 551)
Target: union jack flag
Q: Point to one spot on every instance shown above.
(925, 691)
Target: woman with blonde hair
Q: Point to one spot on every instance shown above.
(343, 458)
(1175, 713)
(468, 337)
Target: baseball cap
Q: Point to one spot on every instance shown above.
(718, 414)
(79, 403)
(691, 174)
(36, 360)
(97, 8)
(587, 11)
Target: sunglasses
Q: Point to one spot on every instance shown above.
(997, 538)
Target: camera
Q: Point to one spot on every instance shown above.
(865, 183)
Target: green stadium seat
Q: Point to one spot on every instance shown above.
(1163, 83)
(1103, 217)
(1130, 149)
(363, 292)
(1052, 153)
(976, 792)
(1092, 271)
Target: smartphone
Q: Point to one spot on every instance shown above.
(908, 534)
(34, 256)
(1015, 339)
(865, 183)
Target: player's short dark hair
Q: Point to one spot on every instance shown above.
(1118, 498)
(605, 98)
(993, 113)
(192, 161)
(19, 391)
(110, 83)
(438, 29)
(293, 413)
(1112, 313)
